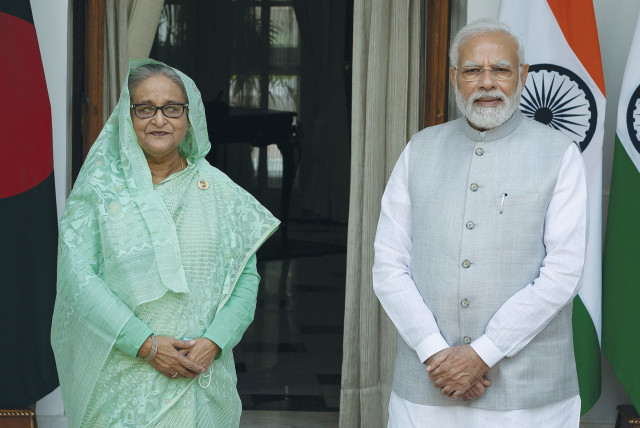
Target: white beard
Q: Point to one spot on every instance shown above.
(488, 117)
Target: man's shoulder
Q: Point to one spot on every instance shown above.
(534, 129)
(427, 134)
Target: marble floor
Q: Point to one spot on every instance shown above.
(277, 419)
(289, 360)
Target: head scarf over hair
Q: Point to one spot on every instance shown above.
(118, 245)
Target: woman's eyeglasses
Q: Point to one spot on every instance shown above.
(146, 111)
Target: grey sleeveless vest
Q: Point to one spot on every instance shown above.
(474, 248)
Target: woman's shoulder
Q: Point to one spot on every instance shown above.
(233, 195)
(214, 176)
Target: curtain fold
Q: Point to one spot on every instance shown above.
(325, 159)
(129, 30)
(387, 65)
(143, 23)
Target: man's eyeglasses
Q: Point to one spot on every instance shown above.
(146, 111)
(473, 74)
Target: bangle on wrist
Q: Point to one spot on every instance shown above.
(154, 348)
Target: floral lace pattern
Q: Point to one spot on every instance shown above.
(143, 392)
(171, 256)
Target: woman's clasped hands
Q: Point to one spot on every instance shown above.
(176, 358)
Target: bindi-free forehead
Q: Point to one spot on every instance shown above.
(487, 50)
(158, 90)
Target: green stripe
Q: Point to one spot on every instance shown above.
(587, 350)
(621, 275)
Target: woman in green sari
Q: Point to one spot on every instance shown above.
(157, 276)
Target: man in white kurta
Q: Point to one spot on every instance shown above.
(479, 253)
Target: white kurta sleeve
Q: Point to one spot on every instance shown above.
(392, 279)
(528, 311)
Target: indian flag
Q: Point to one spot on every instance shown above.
(622, 245)
(565, 90)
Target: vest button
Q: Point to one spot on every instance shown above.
(479, 151)
(467, 340)
(466, 264)
(470, 225)
(464, 303)
(474, 187)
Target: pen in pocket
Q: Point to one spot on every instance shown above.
(502, 202)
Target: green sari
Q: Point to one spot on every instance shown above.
(170, 255)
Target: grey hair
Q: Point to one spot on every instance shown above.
(139, 74)
(481, 27)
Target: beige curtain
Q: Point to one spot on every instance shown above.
(387, 59)
(129, 31)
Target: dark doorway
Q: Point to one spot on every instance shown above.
(256, 65)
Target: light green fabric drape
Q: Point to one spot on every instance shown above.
(119, 248)
(386, 112)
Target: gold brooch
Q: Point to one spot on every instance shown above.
(203, 184)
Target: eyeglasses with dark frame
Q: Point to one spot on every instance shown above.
(147, 111)
(472, 74)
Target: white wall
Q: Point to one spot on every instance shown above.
(616, 20)
(52, 19)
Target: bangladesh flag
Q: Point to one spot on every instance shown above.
(565, 90)
(28, 227)
(621, 270)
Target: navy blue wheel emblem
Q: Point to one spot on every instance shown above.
(633, 118)
(557, 97)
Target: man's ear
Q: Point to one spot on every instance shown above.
(524, 73)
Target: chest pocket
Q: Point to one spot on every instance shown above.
(517, 199)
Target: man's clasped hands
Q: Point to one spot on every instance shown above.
(458, 372)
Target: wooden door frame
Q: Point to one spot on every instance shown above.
(87, 86)
(437, 63)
